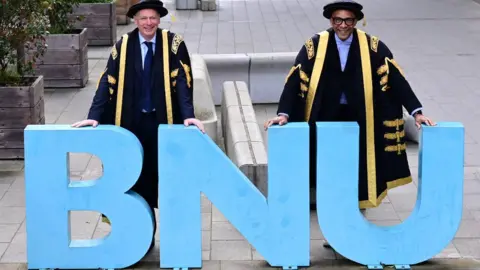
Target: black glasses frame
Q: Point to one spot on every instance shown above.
(339, 21)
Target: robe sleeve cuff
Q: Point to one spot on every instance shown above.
(94, 116)
(188, 116)
(416, 110)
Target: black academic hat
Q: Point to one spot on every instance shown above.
(148, 4)
(351, 5)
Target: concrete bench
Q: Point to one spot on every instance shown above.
(264, 73)
(243, 138)
(202, 96)
(411, 131)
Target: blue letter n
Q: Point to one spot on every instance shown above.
(191, 163)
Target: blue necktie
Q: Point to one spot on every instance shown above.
(146, 78)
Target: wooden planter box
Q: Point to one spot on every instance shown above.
(19, 107)
(65, 64)
(122, 7)
(100, 19)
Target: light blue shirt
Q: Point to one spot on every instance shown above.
(144, 47)
(343, 48)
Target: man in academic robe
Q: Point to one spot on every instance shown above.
(147, 82)
(344, 74)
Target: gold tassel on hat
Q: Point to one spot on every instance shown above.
(364, 22)
(173, 18)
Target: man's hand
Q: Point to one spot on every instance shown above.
(420, 119)
(85, 123)
(196, 122)
(280, 120)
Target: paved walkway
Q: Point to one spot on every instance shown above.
(436, 41)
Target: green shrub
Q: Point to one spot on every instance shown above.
(59, 14)
(23, 28)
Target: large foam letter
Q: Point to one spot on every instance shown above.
(50, 196)
(432, 224)
(191, 163)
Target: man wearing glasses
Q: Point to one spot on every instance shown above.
(344, 74)
(147, 81)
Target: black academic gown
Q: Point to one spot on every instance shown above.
(376, 90)
(117, 99)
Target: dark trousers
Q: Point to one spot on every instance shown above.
(146, 130)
